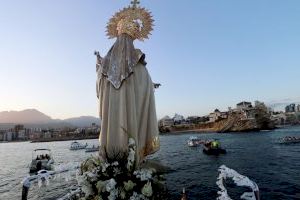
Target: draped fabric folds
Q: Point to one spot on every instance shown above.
(126, 102)
(118, 64)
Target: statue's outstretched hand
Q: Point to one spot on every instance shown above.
(156, 85)
(99, 60)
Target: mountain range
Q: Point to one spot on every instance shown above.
(33, 118)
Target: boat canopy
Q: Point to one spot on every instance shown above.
(42, 150)
(34, 152)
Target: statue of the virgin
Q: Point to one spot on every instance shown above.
(125, 89)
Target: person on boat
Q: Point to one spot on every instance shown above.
(207, 143)
(38, 166)
(215, 144)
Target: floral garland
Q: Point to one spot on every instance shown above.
(119, 179)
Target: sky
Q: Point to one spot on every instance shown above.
(206, 54)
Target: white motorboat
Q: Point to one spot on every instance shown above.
(195, 141)
(41, 159)
(289, 140)
(77, 146)
(92, 148)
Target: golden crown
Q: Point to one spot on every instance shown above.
(133, 20)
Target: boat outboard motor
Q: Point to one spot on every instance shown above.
(38, 166)
(25, 190)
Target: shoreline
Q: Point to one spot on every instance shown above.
(51, 140)
(182, 132)
(204, 131)
(179, 132)
(64, 139)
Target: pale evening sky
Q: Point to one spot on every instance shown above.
(206, 54)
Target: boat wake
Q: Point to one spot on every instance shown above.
(239, 180)
(43, 177)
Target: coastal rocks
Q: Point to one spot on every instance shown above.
(254, 119)
(237, 122)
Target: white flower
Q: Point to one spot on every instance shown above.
(147, 190)
(92, 177)
(110, 185)
(117, 171)
(104, 166)
(113, 194)
(81, 180)
(130, 159)
(122, 194)
(96, 160)
(101, 186)
(137, 196)
(143, 174)
(87, 189)
(134, 196)
(129, 185)
(131, 142)
(98, 197)
(115, 163)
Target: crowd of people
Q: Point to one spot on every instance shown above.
(42, 157)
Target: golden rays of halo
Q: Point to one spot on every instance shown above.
(133, 13)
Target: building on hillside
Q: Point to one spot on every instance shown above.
(178, 119)
(1, 135)
(21, 135)
(248, 114)
(79, 131)
(290, 108)
(35, 135)
(217, 115)
(18, 128)
(244, 105)
(8, 136)
(214, 115)
(47, 135)
(166, 121)
(192, 119)
(278, 118)
(298, 108)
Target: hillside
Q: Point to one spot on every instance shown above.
(33, 118)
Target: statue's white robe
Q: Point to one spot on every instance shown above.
(128, 112)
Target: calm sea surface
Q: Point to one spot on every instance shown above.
(274, 167)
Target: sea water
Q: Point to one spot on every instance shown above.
(257, 155)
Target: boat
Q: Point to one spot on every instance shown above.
(41, 160)
(195, 141)
(77, 146)
(92, 148)
(213, 148)
(289, 140)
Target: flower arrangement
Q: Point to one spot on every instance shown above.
(117, 179)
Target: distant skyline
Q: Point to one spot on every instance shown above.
(206, 54)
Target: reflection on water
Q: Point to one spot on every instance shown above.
(274, 167)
